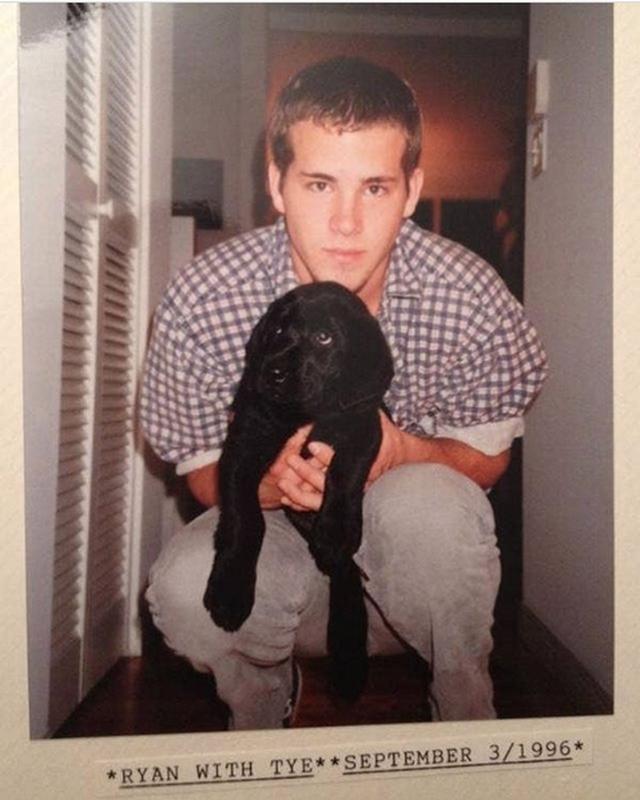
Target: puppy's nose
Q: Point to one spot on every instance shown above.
(277, 374)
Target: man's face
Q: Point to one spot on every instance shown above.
(344, 198)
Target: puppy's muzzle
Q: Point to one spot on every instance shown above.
(291, 382)
(276, 376)
(275, 379)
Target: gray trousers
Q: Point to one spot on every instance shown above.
(429, 553)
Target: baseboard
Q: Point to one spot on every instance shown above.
(580, 687)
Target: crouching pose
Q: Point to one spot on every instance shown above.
(345, 141)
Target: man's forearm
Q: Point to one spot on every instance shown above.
(483, 469)
(203, 484)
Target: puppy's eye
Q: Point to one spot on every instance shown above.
(322, 338)
(278, 331)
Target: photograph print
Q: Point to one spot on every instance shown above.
(318, 364)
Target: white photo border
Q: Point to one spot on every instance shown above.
(53, 769)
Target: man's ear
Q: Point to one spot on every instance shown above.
(416, 179)
(275, 187)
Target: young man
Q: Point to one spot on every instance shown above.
(345, 145)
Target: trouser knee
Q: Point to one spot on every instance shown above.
(431, 555)
(285, 584)
(175, 592)
(426, 515)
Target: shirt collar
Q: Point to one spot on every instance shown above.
(279, 268)
(402, 277)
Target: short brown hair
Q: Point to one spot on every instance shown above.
(346, 93)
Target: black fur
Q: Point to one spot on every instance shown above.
(317, 355)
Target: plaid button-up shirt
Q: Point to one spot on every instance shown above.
(467, 361)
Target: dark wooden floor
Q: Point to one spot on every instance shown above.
(161, 693)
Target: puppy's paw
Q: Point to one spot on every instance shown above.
(347, 641)
(347, 632)
(348, 673)
(229, 595)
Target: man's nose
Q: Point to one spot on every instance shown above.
(346, 218)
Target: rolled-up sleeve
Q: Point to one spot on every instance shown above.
(497, 372)
(185, 399)
(490, 438)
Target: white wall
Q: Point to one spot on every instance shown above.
(568, 459)
(157, 113)
(42, 181)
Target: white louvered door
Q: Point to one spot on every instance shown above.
(93, 515)
(77, 400)
(110, 519)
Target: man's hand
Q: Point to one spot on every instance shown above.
(392, 450)
(294, 481)
(302, 483)
(291, 480)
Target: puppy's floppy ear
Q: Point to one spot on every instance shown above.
(367, 368)
(255, 347)
(266, 324)
(256, 340)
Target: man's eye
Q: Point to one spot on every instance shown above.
(318, 186)
(376, 189)
(323, 338)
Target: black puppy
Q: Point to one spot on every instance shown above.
(317, 355)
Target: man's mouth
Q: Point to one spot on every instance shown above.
(344, 254)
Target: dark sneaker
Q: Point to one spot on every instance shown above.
(291, 709)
